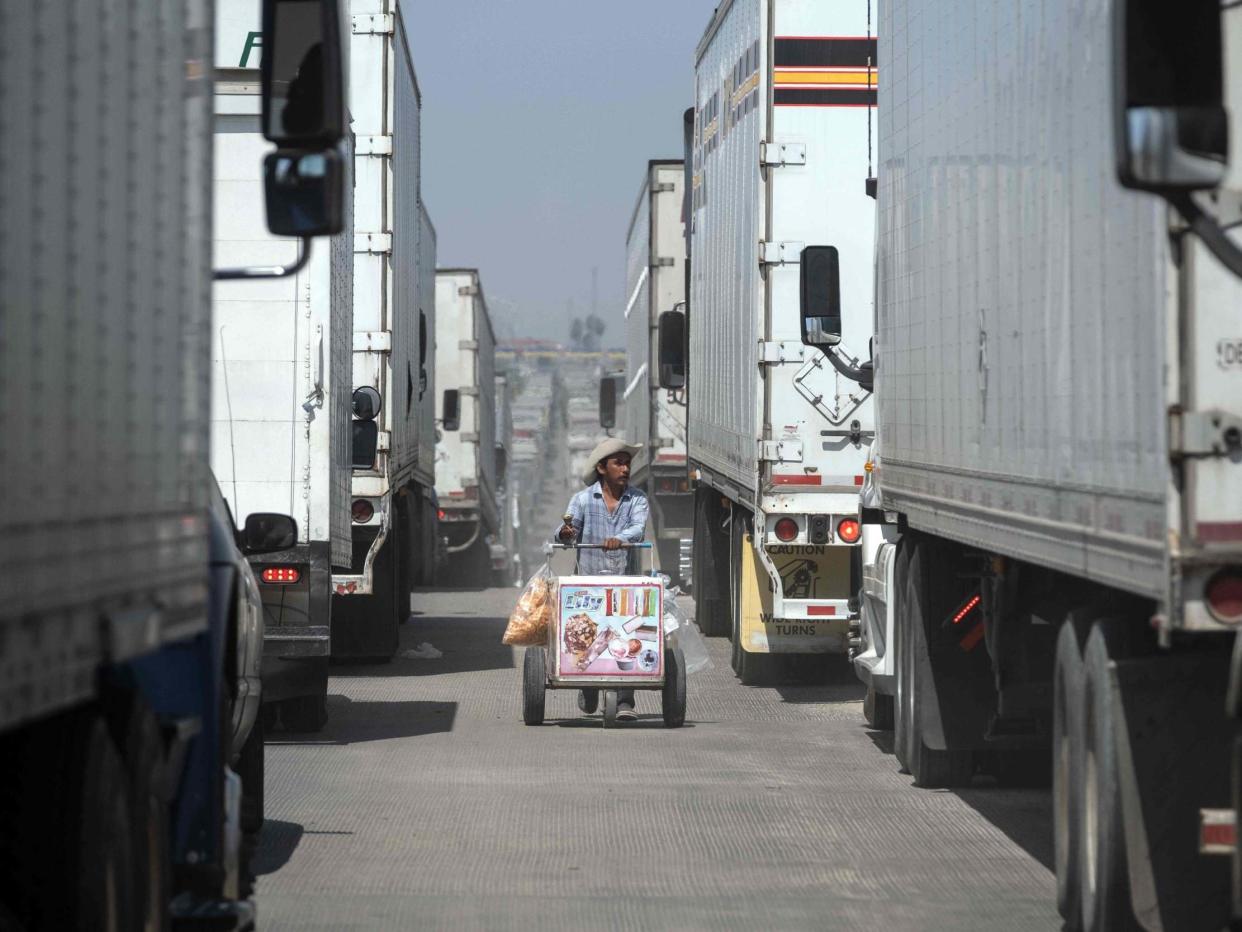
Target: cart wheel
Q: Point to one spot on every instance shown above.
(610, 708)
(674, 704)
(534, 681)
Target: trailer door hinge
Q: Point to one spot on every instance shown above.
(1204, 433)
(466, 290)
(373, 242)
(373, 24)
(661, 187)
(372, 341)
(373, 145)
(383, 441)
(658, 262)
(775, 353)
(780, 253)
(775, 154)
(780, 451)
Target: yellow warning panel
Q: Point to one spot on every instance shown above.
(806, 573)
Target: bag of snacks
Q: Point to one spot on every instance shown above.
(532, 617)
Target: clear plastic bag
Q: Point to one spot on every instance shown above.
(532, 616)
(682, 632)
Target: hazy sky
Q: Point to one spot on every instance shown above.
(538, 119)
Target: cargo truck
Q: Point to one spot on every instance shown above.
(122, 601)
(393, 448)
(281, 392)
(506, 551)
(466, 480)
(779, 152)
(654, 397)
(1058, 471)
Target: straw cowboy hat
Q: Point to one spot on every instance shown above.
(604, 449)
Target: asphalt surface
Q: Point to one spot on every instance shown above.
(426, 803)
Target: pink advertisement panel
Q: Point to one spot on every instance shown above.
(610, 626)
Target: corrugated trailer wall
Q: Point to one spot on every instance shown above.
(339, 388)
(726, 306)
(1021, 301)
(104, 315)
(637, 423)
(404, 262)
(486, 400)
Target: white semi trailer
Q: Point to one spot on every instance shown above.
(654, 389)
(393, 446)
(1059, 462)
(281, 385)
(127, 617)
(466, 453)
(779, 154)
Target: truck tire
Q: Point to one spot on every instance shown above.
(67, 849)
(1105, 880)
(305, 714)
(878, 710)
(1068, 697)
(669, 552)
(250, 769)
(138, 735)
(534, 685)
(711, 566)
(364, 627)
(673, 703)
(903, 695)
(930, 767)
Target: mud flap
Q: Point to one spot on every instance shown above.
(1173, 755)
(825, 571)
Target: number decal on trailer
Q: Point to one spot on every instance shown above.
(1229, 354)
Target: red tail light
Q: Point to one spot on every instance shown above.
(281, 575)
(441, 513)
(786, 529)
(362, 510)
(849, 530)
(1224, 596)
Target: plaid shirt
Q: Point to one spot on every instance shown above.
(595, 525)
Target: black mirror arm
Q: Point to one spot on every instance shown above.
(864, 375)
(1207, 229)
(267, 271)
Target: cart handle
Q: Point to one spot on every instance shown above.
(645, 545)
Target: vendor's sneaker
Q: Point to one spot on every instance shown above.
(626, 713)
(588, 701)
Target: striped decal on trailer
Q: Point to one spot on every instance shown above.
(824, 71)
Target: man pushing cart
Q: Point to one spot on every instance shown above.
(603, 629)
(604, 517)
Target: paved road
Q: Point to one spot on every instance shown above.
(426, 803)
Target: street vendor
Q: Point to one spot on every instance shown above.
(607, 512)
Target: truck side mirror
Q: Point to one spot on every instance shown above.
(303, 192)
(451, 414)
(1170, 129)
(608, 402)
(267, 533)
(820, 296)
(303, 72)
(671, 349)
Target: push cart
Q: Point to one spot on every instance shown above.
(607, 633)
